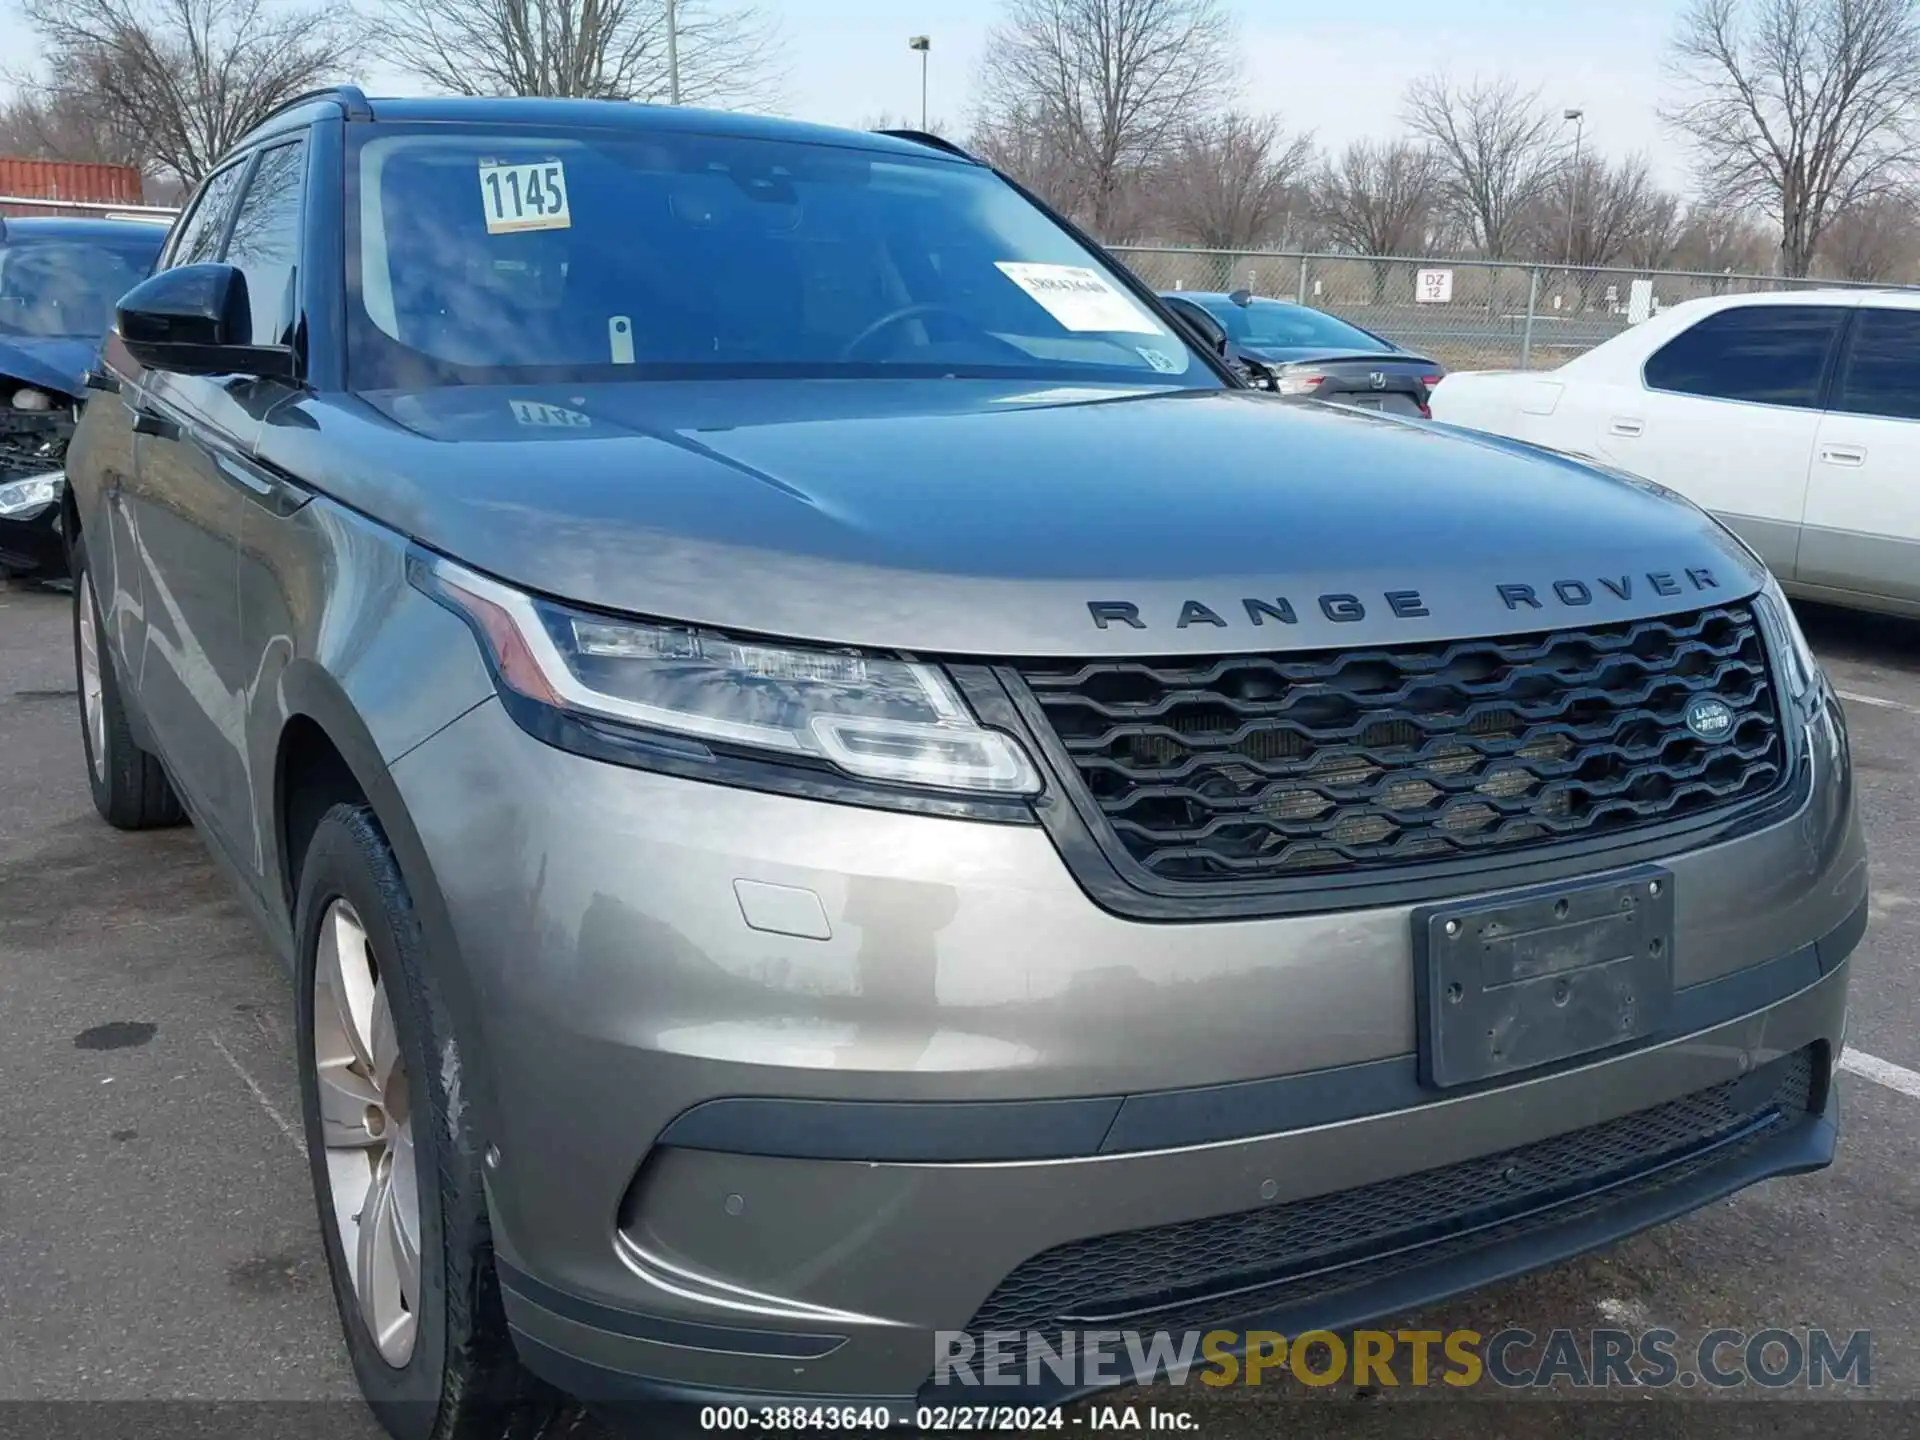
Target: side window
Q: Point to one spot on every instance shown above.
(198, 238)
(1882, 373)
(1765, 354)
(266, 240)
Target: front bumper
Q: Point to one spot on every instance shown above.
(782, 1089)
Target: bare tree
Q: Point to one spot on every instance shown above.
(185, 79)
(1798, 108)
(67, 124)
(1606, 216)
(888, 120)
(1875, 240)
(1610, 204)
(1020, 143)
(1654, 241)
(1494, 145)
(1718, 239)
(1378, 198)
(1230, 181)
(589, 49)
(1112, 84)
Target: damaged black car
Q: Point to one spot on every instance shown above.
(59, 280)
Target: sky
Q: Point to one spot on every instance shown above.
(1338, 75)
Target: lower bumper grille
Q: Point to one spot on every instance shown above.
(1200, 1273)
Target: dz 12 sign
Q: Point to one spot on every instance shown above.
(1433, 287)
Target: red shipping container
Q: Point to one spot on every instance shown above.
(66, 180)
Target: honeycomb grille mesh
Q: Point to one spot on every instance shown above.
(1257, 767)
(1191, 1272)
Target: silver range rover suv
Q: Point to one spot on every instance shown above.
(835, 787)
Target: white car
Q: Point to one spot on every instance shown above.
(1795, 418)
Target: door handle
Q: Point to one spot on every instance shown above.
(275, 494)
(1625, 425)
(149, 422)
(1844, 454)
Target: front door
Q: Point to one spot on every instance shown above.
(187, 513)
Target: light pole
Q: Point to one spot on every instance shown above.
(1579, 119)
(673, 55)
(922, 43)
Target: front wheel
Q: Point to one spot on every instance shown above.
(396, 1171)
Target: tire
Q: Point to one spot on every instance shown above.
(459, 1378)
(130, 787)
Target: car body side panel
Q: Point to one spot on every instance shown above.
(340, 639)
(1881, 569)
(1862, 522)
(1742, 462)
(187, 514)
(100, 461)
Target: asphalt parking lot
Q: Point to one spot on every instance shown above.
(158, 1241)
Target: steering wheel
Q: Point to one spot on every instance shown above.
(901, 316)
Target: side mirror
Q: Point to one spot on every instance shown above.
(196, 320)
(1209, 331)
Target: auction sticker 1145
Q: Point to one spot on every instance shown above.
(524, 197)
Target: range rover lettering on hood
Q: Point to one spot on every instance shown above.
(1343, 607)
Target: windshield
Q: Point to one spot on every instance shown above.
(66, 288)
(484, 257)
(1272, 322)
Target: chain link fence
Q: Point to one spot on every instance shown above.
(1467, 314)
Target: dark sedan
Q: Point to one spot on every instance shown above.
(1309, 352)
(59, 279)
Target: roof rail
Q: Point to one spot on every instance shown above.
(927, 138)
(351, 98)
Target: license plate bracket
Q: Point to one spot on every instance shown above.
(1542, 975)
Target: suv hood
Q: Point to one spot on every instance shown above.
(974, 517)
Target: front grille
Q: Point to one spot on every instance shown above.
(1262, 767)
(1199, 1273)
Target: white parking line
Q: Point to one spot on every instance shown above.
(1877, 702)
(1882, 1072)
(285, 1127)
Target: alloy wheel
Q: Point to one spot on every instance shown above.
(93, 702)
(366, 1119)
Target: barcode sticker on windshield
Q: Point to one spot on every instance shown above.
(524, 197)
(1079, 298)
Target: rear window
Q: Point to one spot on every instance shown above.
(1762, 354)
(1274, 323)
(482, 257)
(1882, 373)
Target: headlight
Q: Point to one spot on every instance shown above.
(870, 716)
(1801, 661)
(24, 499)
(1294, 384)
